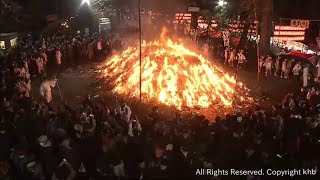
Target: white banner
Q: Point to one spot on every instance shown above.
(300, 23)
(226, 40)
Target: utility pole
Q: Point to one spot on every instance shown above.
(258, 51)
(140, 56)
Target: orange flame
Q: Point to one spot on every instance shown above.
(171, 74)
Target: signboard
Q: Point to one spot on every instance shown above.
(295, 45)
(52, 17)
(300, 23)
(226, 40)
(193, 9)
(2, 45)
(104, 21)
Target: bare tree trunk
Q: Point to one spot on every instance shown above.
(266, 26)
(244, 35)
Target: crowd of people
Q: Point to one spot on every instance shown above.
(39, 141)
(234, 59)
(44, 58)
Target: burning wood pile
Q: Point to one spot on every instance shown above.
(172, 75)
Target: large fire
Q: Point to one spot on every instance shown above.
(171, 74)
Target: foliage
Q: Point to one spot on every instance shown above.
(11, 9)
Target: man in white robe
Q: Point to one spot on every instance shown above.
(232, 58)
(283, 68)
(268, 65)
(277, 66)
(45, 89)
(305, 76)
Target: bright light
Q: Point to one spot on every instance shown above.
(85, 1)
(222, 3)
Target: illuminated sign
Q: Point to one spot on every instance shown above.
(289, 28)
(289, 33)
(2, 45)
(13, 42)
(300, 23)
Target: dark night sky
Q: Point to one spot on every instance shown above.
(305, 9)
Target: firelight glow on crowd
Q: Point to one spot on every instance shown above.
(170, 101)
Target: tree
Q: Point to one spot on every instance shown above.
(266, 26)
(11, 10)
(263, 12)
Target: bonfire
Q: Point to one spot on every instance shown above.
(173, 75)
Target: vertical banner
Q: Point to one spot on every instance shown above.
(226, 40)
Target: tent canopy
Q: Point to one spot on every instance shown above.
(300, 54)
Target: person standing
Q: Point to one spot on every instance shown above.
(46, 88)
(305, 75)
(261, 62)
(90, 51)
(232, 58)
(277, 66)
(296, 69)
(124, 111)
(40, 65)
(226, 55)
(268, 65)
(283, 67)
(58, 59)
(288, 70)
(241, 59)
(45, 57)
